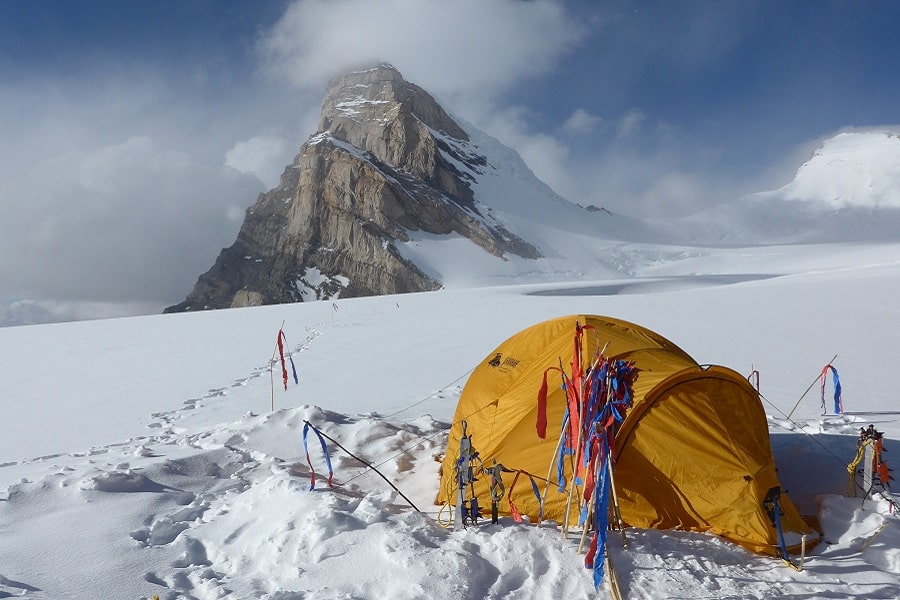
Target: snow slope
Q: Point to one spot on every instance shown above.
(160, 455)
(848, 191)
(574, 242)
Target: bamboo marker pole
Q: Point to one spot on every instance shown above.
(589, 517)
(615, 591)
(272, 376)
(550, 470)
(272, 365)
(585, 378)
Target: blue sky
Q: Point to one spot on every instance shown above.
(136, 133)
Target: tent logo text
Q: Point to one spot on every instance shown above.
(504, 363)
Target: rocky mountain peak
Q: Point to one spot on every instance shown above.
(380, 95)
(387, 160)
(377, 111)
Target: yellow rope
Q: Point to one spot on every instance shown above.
(851, 468)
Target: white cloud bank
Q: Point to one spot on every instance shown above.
(121, 183)
(465, 47)
(121, 222)
(262, 156)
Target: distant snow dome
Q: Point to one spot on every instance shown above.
(851, 170)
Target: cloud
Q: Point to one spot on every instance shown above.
(478, 57)
(581, 122)
(463, 47)
(630, 124)
(123, 177)
(115, 187)
(34, 312)
(263, 156)
(121, 182)
(122, 222)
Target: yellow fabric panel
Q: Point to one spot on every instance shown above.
(697, 457)
(693, 452)
(499, 401)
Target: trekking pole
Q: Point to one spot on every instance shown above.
(819, 376)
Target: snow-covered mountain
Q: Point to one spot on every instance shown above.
(392, 189)
(387, 188)
(849, 190)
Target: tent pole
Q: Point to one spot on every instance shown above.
(819, 376)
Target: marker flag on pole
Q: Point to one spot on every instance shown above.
(312, 471)
(597, 397)
(541, 424)
(516, 515)
(282, 340)
(838, 401)
(294, 370)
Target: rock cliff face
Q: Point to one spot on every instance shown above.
(387, 160)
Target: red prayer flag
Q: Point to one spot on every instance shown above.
(542, 408)
(284, 373)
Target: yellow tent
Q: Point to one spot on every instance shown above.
(693, 452)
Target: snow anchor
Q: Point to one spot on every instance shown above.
(280, 343)
(773, 510)
(870, 451)
(818, 377)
